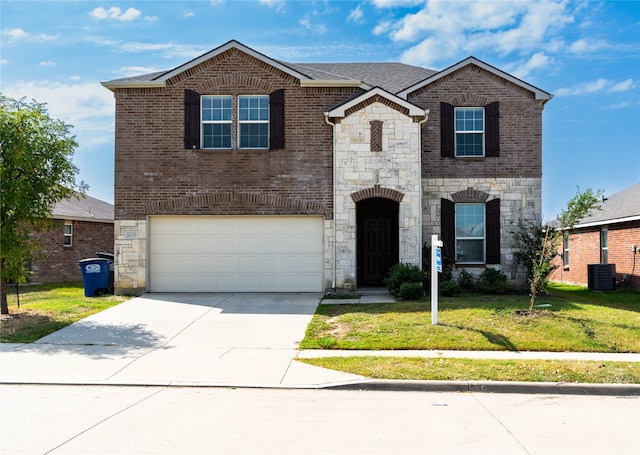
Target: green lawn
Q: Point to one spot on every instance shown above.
(47, 308)
(576, 320)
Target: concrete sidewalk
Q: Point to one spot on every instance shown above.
(224, 340)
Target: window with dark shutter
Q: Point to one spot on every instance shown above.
(276, 120)
(191, 119)
(448, 226)
(492, 129)
(446, 130)
(493, 231)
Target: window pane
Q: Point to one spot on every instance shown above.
(67, 229)
(469, 220)
(254, 135)
(216, 108)
(470, 250)
(253, 108)
(469, 119)
(216, 135)
(469, 144)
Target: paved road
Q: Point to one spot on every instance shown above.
(41, 419)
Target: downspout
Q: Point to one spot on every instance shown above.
(420, 123)
(333, 185)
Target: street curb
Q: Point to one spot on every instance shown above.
(548, 388)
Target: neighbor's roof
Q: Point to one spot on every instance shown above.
(396, 78)
(618, 208)
(83, 208)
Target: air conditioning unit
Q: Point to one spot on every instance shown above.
(601, 277)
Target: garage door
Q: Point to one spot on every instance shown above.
(236, 254)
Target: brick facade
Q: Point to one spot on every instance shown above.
(61, 262)
(584, 249)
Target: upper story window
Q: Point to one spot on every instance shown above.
(216, 122)
(469, 124)
(68, 233)
(470, 229)
(253, 121)
(234, 121)
(470, 131)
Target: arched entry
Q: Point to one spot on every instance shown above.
(376, 239)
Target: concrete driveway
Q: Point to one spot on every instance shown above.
(180, 339)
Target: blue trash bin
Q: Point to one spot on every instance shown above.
(95, 276)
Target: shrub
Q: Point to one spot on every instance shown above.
(402, 273)
(466, 280)
(450, 289)
(492, 281)
(411, 291)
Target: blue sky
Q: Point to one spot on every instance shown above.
(586, 53)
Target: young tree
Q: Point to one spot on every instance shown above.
(539, 243)
(35, 172)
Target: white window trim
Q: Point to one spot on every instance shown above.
(251, 122)
(456, 132)
(69, 236)
(604, 248)
(484, 237)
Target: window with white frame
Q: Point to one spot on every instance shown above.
(68, 233)
(565, 249)
(470, 233)
(253, 122)
(604, 246)
(469, 131)
(216, 114)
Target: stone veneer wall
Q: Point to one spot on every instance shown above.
(519, 198)
(130, 268)
(396, 167)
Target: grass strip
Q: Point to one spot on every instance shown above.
(449, 369)
(49, 307)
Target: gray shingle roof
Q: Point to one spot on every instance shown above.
(84, 208)
(618, 207)
(390, 76)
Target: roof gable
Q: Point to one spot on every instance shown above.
(341, 109)
(539, 94)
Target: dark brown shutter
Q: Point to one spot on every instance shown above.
(493, 231)
(276, 119)
(492, 129)
(448, 226)
(446, 130)
(191, 119)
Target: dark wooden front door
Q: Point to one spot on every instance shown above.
(377, 240)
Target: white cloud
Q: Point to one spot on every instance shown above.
(15, 34)
(537, 61)
(278, 5)
(396, 3)
(598, 86)
(442, 30)
(622, 86)
(115, 13)
(319, 29)
(189, 14)
(356, 15)
(47, 63)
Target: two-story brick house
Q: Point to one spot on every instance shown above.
(239, 172)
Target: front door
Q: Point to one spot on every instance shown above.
(377, 240)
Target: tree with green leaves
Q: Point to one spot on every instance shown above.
(539, 243)
(36, 172)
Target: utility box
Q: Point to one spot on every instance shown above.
(601, 277)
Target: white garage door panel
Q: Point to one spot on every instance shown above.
(236, 254)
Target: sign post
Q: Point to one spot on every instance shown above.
(436, 267)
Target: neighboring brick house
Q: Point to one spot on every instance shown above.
(239, 172)
(82, 226)
(609, 235)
